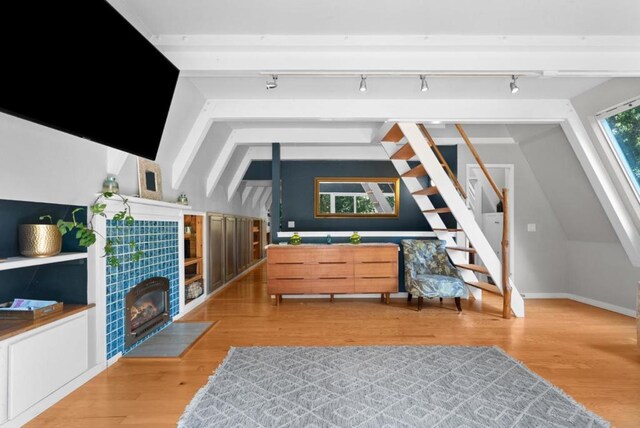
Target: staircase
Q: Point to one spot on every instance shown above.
(406, 142)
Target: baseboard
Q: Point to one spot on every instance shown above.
(111, 361)
(54, 397)
(528, 296)
(240, 276)
(199, 302)
(585, 300)
(603, 305)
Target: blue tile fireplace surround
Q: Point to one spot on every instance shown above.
(159, 241)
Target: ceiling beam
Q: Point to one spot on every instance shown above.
(366, 110)
(501, 111)
(256, 196)
(304, 135)
(246, 192)
(257, 183)
(190, 146)
(265, 197)
(115, 160)
(216, 55)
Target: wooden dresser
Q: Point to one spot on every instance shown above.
(332, 269)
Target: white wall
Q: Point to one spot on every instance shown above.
(596, 265)
(540, 257)
(597, 99)
(600, 268)
(45, 165)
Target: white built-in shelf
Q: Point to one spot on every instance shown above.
(20, 262)
(142, 201)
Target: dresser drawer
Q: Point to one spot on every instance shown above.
(375, 254)
(290, 271)
(336, 286)
(332, 270)
(290, 286)
(376, 270)
(288, 255)
(376, 285)
(333, 255)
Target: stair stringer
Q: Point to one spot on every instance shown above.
(459, 209)
(434, 219)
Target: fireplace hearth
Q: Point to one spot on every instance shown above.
(146, 308)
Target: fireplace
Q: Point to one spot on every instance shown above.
(146, 308)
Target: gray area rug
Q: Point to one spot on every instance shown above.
(380, 386)
(171, 342)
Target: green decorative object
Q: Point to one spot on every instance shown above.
(295, 239)
(355, 238)
(87, 235)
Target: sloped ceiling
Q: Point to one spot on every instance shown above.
(564, 182)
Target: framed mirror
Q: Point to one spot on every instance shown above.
(347, 197)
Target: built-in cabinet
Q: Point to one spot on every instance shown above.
(235, 243)
(216, 252)
(42, 360)
(194, 281)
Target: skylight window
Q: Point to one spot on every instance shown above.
(621, 125)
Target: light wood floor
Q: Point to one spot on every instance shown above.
(588, 352)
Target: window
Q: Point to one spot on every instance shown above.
(621, 125)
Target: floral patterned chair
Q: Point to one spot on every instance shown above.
(429, 273)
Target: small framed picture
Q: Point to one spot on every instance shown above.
(149, 179)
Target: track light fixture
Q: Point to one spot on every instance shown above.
(423, 83)
(273, 83)
(513, 85)
(363, 83)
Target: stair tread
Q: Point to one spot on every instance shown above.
(394, 135)
(404, 153)
(465, 249)
(438, 210)
(492, 288)
(439, 229)
(475, 268)
(417, 171)
(433, 190)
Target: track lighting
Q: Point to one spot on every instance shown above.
(363, 83)
(423, 83)
(273, 83)
(513, 85)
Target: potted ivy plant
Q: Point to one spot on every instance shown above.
(85, 233)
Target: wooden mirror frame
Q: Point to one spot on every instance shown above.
(316, 196)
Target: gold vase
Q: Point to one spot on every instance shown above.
(39, 240)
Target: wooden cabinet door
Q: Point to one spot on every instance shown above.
(230, 248)
(216, 252)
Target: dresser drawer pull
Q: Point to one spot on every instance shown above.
(332, 277)
(332, 263)
(378, 262)
(289, 279)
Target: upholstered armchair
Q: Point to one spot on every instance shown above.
(429, 273)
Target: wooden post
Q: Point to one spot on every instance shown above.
(506, 287)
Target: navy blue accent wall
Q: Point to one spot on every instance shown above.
(13, 213)
(258, 170)
(64, 282)
(298, 187)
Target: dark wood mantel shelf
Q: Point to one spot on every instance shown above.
(10, 328)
